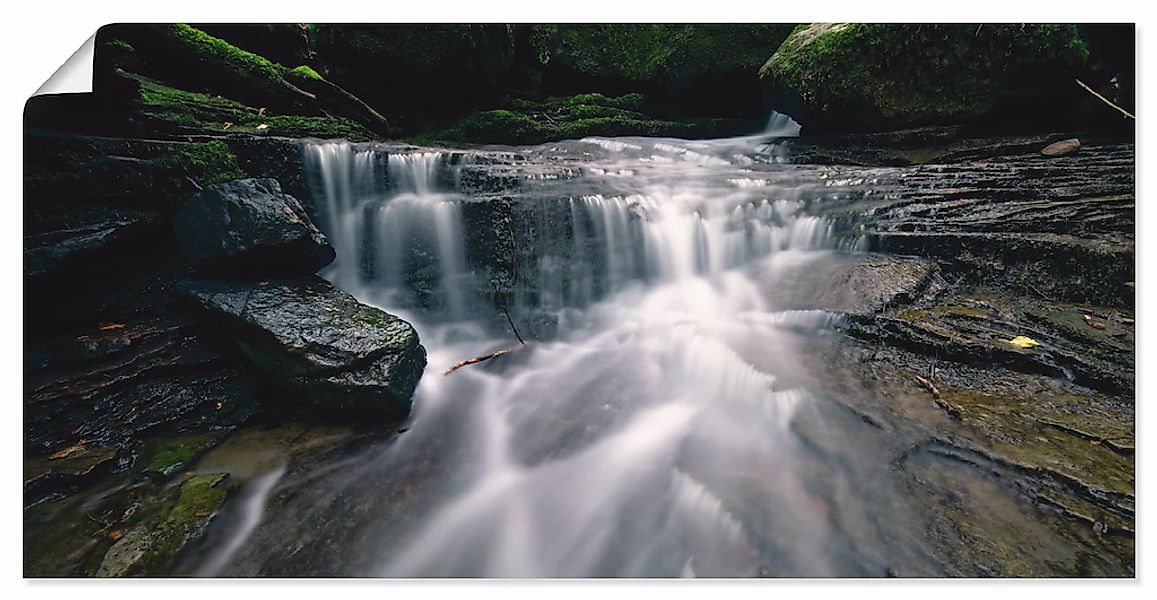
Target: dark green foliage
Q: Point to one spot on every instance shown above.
(426, 69)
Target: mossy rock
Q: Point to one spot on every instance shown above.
(850, 77)
(150, 551)
(573, 117)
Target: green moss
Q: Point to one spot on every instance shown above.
(151, 551)
(554, 119)
(200, 494)
(306, 72)
(322, 127)
(241, 60)
(918, 74)
(207, 162)
(171, 454)
(192, 112)
(119, 45)
(401, 336)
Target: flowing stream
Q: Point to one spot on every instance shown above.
(659, 423)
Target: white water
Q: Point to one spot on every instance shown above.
(653, 435)
(250, 509)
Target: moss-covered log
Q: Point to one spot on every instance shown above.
(190, 59)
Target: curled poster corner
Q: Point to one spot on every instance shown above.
(75, 75)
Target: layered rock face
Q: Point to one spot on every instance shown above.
(119, 354)
(349, 358)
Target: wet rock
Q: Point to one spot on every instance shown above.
(1062, 147)
(854, 285)
(977, 328)
(349, 358)
(67, 469)
(1059, 228)
(149, 550)
(49, 251)
(171, 454)
(250, 228)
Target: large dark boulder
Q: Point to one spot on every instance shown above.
(859, 77)
(345, 357)
(250, 228)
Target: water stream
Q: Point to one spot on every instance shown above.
(661, 424)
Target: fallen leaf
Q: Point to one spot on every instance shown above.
(219, 406)
(1062, 147)
(293, 218)
(69, 451)
(116, 534)
(201, 514)
(823, 175)
(1091, 323)
(1021, 341)
(228, 124)
(262, 126)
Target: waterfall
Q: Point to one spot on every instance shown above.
(398, 226)
(610, 446)
(389, 219)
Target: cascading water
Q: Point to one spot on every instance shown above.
(653, 431)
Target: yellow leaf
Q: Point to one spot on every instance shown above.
(1021, 341)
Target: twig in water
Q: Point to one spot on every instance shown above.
(1106, 100)
(928, 385)
(501, 301)
(950, 408)
(483, 358)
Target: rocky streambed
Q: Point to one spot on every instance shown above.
(939, 331)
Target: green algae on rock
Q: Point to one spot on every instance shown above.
(171, 454)
(151, 550)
